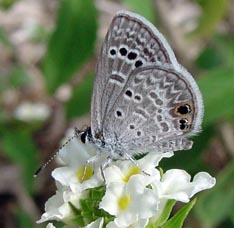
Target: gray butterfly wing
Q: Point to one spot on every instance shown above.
(130, 43)
(157, 109)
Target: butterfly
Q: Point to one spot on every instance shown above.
(143, 100)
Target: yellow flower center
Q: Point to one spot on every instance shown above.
(84, 173)
(124, 202)
(134, 170)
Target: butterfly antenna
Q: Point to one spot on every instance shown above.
(77, 133)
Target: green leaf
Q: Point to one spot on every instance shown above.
(215, 205)
(217, 90)
(78, 218)
(213, 12)
(4, 38)
(165, 215)
(19, 147)
(209, 58)
(217, 54)
(144, 8)
(224, 45)
(79, 104)
(178, 219)
(6, 4)
(232, 217)
(16, 78)
(23, 220)
(89, 208)
(71, 43)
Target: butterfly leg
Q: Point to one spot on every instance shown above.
(105, 164)
(88, 162)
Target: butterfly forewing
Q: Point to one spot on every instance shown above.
(143, 99)
(130, 43)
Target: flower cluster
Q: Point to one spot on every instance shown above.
(132, 195)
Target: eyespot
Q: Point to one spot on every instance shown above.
(184, 109)
(132, 55)
(112, 52)
(138, 63)
(123, 51)
(128, 93)
(138, 133)
(131, 126)
(138, 98)
(119, 114)
(183, 124)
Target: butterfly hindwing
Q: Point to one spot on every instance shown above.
(158, 104)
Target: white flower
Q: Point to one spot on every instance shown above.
(75, 150)
(151, 160)
(77, 173)
(96, 224)
(58, 208)
(129, 202)
(136, 192)
(121, 171)
(176, 184)
(50, 225)
(28, 111)
(141, 223)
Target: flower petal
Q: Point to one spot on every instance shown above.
(96, 224)
(141, 223)
(75, 152)
(176, 184)
(50, 225)
(202, 181)
(151, 160)
(57, 207)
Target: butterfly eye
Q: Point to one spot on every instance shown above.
(86, 135)
(83, 137)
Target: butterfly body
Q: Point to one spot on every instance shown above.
(143, 99)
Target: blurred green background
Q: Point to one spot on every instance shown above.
(48, 52)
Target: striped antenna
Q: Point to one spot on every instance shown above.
(77, 133)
